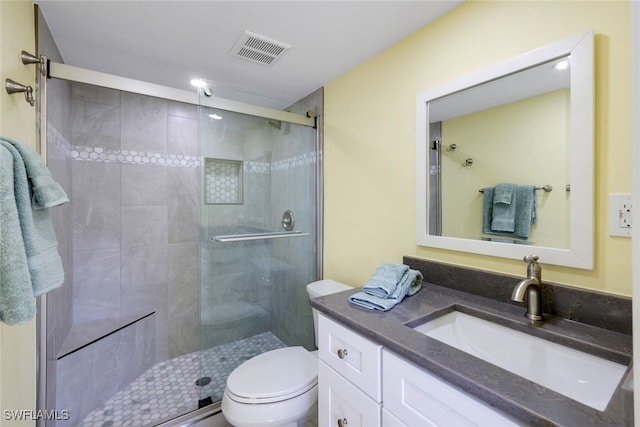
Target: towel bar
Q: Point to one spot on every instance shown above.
(258, 236)
(546, 188)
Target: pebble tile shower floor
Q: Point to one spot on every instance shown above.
(169, 389)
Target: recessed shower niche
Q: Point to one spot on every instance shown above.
(222, 181)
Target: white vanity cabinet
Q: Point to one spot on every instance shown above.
(414, 397)
(349, 377)
(362, 384)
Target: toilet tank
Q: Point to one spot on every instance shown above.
(321, 288)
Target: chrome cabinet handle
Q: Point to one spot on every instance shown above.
(342, 353)
(342, 422)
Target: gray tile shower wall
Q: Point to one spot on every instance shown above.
(58, 133)
(293, 177)
(128, 238)
(59, 313)
(96, 205)
(59, 163)
(252, 287)
(136, 196)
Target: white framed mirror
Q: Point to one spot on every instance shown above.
(522, 126)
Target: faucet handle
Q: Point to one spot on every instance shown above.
(533, 268)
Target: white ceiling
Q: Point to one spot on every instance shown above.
(171, 42)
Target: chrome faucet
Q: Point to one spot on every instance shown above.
(532, 287)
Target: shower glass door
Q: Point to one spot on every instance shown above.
(254, 265)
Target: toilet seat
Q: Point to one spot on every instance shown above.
(273, 376)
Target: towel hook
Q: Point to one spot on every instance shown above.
(28, 59)
(467, 163)
(15, 87)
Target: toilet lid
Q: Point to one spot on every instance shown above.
(274, 376)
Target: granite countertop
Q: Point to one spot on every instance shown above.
(510, 393)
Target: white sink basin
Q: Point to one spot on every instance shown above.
(588, 379)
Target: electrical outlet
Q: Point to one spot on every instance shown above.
(620, 210)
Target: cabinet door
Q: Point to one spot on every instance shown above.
(351, 355)
(341, 404)
(389, 420)
(418, 398)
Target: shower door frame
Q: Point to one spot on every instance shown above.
(55, 70)
(96, 78)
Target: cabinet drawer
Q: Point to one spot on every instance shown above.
(340, 403)
(351, 355)
(417, 397)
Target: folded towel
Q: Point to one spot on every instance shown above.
(503, 193)
(371, 302)
(525, 211)
(385, 279)
(504, 211)
(34, 236)
(408, 284)
(17, 303)
(46, 192)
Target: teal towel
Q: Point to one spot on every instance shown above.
(17, 304)
(46, 192)
(487, 209)
(371, 302)
(410, 283)
(385, 279)
(524, 198)
(407, 285)
(504, 211)
(28, 252)
(503, 194)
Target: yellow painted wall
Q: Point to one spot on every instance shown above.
(17, 119)
(537, 127)
(370, 134)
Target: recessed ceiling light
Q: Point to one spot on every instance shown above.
(199, 83)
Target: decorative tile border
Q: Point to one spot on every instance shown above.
(305, 159)
(108, 155)
(132, 157)
(257, 167)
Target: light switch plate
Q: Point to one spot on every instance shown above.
(620, 214)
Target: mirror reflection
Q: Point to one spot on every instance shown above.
(500, 163)
(504, 157)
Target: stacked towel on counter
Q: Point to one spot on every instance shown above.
(387, 287)
(29, 261)
(509, 210)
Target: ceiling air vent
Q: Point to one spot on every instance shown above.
(256, 48)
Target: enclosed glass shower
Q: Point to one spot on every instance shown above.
(257, 246)
(191, 234)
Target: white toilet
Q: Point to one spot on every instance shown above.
(279, 387)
